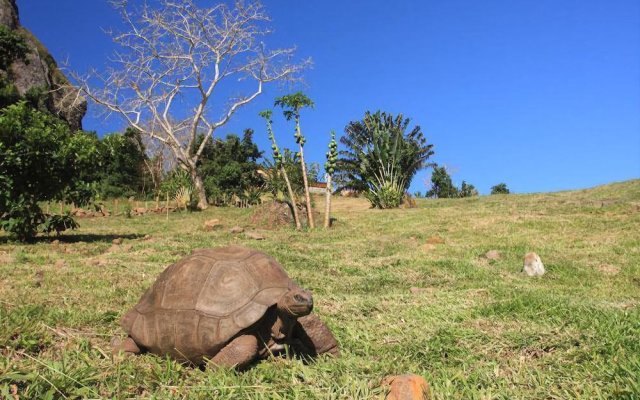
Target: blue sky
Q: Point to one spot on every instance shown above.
(542, 95)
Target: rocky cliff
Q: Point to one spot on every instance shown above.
(38, 71)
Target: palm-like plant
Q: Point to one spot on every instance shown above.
(292, 104)
(279, 165)
(381, 158)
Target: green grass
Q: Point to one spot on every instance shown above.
(474, 329)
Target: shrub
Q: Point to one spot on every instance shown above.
(500, 188)
(467, 190)
(441, 185)
(40, 160)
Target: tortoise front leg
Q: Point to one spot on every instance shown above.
(238, 353)
(312, 337)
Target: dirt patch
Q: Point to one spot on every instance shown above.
(608, 269)
(275, 214)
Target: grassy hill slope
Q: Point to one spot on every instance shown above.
(405, 291)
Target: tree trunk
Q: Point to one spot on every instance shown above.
(327, 210)
(294, 206)
(306, 189)
(199, 190)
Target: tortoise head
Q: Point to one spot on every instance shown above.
(296, 302)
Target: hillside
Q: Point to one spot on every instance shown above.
(405, 291)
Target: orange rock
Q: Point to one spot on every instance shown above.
(406, 387)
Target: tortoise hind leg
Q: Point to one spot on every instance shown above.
(238, 353)
(126, 346)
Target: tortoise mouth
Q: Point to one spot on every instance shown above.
(298, 303)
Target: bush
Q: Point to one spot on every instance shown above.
(41, 160)
(441, 185)
(467, 190)
(500, 188)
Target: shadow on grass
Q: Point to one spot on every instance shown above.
(74, 238)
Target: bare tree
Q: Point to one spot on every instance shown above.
(165, 80)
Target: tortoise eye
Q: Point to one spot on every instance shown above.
(299, 299)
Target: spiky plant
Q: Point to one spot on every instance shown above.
(277, 158)
(183, 197)
(291, 105)
(381, 157)
(330, 167)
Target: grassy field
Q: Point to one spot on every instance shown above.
(405, 291)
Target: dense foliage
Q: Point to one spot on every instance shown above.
(500, 188)
(467, 190)
(442, 186)
(122, 171)
(12, 47)
(230, 169)
(381, 157)
(40, 160)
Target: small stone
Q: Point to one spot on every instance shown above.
(212, 225)
(139, 210)
(406, 387)
(55, 242)
(435, 240)
(146, 237)
(60, 264)
(117, 241)
(533, 265)
(493, 255)
(254, 235)
(236, 229)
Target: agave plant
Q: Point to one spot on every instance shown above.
(183, 197)
(381, 157)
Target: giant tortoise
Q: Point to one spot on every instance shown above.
(228, 306)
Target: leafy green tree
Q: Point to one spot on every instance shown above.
(467, 190)
(381, 157)
(441, 185)
(230, 168)
(500, 188)
(292, 104)
(122, 158)
(40, 160)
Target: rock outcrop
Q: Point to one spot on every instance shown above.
(39, 72)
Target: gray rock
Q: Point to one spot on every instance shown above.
(40, 71)
(533, 265)
(9, 13)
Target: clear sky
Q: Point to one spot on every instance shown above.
(542, 95)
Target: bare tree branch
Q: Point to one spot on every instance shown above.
(173, 57)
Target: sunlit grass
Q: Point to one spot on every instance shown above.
(474, 328)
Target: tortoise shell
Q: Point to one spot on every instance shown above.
(201, 302)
